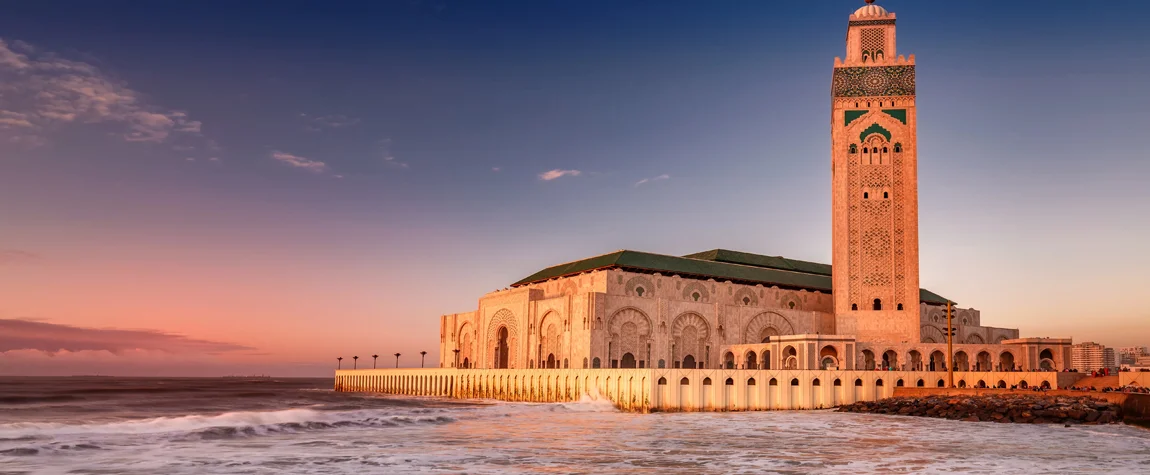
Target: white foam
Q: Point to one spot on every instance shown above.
(590, 403)
(251, 419)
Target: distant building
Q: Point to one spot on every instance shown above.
(1090, 356)
(1129, 355)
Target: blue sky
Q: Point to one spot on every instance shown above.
(380, 163)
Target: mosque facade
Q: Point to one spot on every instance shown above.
(731, 310)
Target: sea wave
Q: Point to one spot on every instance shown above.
(227, 425)
(37, 399)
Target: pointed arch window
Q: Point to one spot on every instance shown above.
(854, 148)
(898, 147)
(877, 304)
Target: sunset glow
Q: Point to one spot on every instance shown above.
(188, 192)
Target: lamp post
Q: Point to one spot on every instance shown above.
(339, 362)
(456, 351)
(354, 362)
(373, 358)
(397, 360)
(422, 358)
(949, 349)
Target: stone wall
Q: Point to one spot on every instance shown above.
(967, 322)
(1132, 378)
(615, 318)
(644, 390)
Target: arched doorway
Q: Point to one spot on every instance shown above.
(890, 360)
(915, 360)
(983, 361)
(729, 360)
(752, 360)
(628, 361)
(551, 361)
(502, 349)
(868, 360)
(790, 358)
(937, 361)
(961, 361)
(466, 363)
(1006, 361)
(829, 358)
(689, 362)
(1046, 360)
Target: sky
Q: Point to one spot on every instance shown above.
(217, 188)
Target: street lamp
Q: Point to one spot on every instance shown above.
(339, 362)
(456, 357)
(354, 362)
(373, 357)
(422, 358)
(397, 360)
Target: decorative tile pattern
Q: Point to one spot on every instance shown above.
(873, 43)
(873, 81)
(870, 22)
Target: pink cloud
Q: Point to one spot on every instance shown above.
(297, 161)
(557, 173)
(40, 90)
(17, 257)
(55, 339)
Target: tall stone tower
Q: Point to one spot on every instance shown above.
(874, 174)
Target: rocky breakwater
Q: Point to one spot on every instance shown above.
(1020, 408)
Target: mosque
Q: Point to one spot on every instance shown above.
(724, 330)
(737, 310)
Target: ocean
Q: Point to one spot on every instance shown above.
(273, 426)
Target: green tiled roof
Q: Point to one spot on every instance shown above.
(773, 262)
(931, 297)
(718, 264)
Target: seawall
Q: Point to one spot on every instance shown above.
(646, 390)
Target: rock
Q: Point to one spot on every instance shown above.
(1003, 407)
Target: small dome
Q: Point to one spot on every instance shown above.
(870, 10)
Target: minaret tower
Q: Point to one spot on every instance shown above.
(874, 175)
